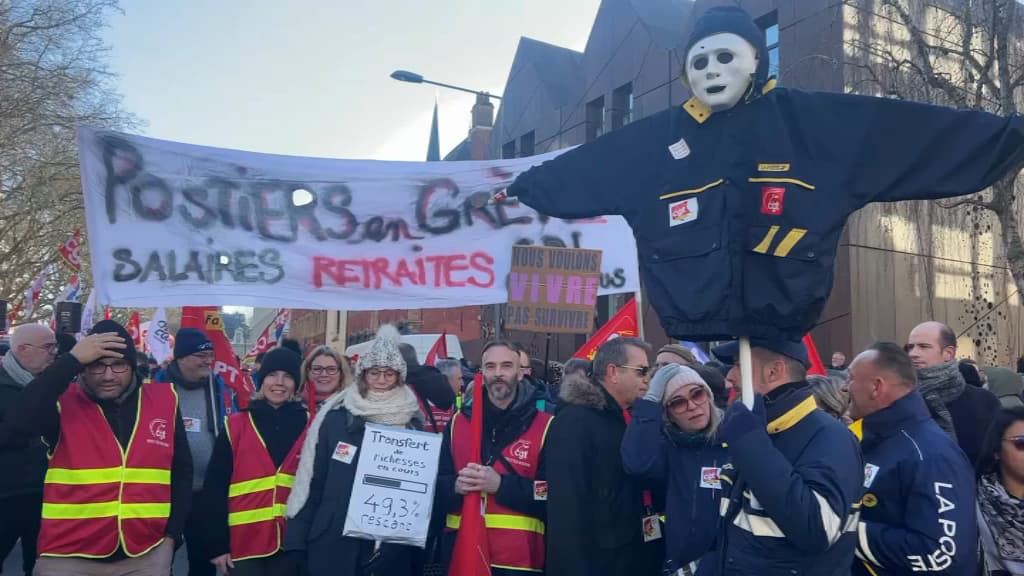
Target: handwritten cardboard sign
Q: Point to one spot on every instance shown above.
(394, 489)
(553, 289)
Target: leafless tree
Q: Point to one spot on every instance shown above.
(53, 77)
(968, 54)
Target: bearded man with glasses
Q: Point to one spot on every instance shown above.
(118, 487)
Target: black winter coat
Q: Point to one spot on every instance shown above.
(23, 461)
(595, 510)
(317, 528)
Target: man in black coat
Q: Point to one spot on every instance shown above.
(33, 348)
(596, 512)
(963, 411)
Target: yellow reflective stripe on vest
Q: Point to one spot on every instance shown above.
(261, 484)
(250, 486)
(256, 515)
(147, 476)
(76, 511)
(83, 476)
(135, 511)
(501, 521)
(108, 475)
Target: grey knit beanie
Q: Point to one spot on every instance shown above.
(383, 353)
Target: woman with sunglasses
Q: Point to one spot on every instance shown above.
(671, 441)
(1001, 495)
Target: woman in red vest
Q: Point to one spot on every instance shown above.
(251, 473)
(323, 484)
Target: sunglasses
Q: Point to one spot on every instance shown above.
(1017, 441)
(698, 397)
(641, 370)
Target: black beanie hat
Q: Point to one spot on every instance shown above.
(109, 326)
(732, 20)
(189, 341)
(282, 359)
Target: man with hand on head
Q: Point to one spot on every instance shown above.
(118, 487)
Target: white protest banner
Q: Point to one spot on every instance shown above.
(173, 224)
(393, 492)
(158, 338)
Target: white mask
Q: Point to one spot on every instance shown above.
(720, 69)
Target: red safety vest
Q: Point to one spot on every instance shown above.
(516, 540)
(441, 418)
(258, 493)
(97, 496)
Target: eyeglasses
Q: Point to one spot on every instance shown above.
(641, 370)
(682, 403)
(329, 370)
(1017, 441)
(100, 369)
(385, 374)
(50, 347)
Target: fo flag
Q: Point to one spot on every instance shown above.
(623, 324)
(207, 318)
(158, 339)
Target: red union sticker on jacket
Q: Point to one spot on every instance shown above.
(709, 478)
(344, 452)
(682, 212)
(771, 200)
(540, 490)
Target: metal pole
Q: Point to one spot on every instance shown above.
(640, 313)
(547, 355)
(460, 89)
(746, 373)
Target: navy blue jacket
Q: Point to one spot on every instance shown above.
(792, 491)
(918, 512)
(738, 235)
(692, 495)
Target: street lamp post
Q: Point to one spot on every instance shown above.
(414, 78)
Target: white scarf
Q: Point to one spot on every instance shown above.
(396, 407)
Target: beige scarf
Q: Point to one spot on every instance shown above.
(396, 407)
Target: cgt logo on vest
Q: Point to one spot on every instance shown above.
(158, 432)
(771, 200)
(520, 453)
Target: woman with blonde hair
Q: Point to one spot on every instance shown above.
(325, 372)
(251, 470)
(830, 394)
(671, 440)
(319, 500)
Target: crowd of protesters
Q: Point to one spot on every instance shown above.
(903, 459)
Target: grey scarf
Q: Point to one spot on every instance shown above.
(1004, 517)
(939, 385)
(21, 376)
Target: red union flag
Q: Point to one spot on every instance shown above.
(71, 251)
(439, 351)
(270, 336)
(135, 330)
(624, 323)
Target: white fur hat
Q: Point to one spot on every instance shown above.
(383, 353)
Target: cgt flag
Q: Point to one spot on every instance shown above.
(624, 323)
(208, 318)
(135, 329)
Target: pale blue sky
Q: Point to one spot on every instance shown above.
(310, 77)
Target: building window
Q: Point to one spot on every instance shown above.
(770, 24)
(509, 149)
(526, 144)
(622, 106)
(595, 118)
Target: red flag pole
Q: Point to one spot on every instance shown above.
(471, 556)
